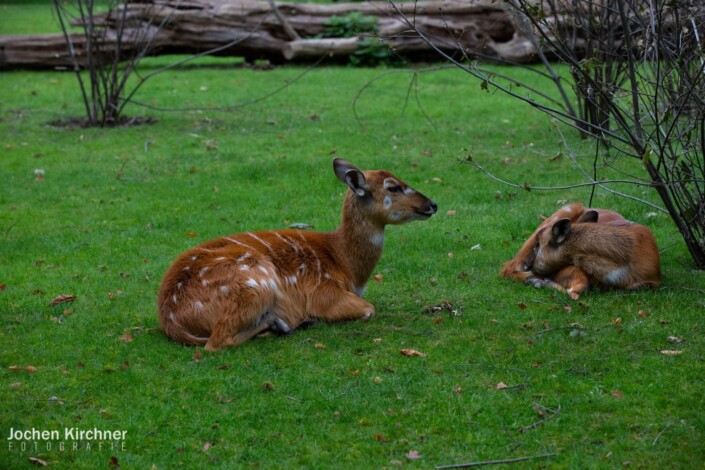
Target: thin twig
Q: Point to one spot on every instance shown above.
(658, 436)
(496, 462)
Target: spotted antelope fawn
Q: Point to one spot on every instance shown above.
(226, 291)
(575, 256)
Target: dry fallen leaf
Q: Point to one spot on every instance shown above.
(667, 352)
(197, 355)
(617, 321)
(675, 339)
(15, 368)
(451, 213)
(617, 394)
(501, 386)
(36, 461)
(378, 277)
(62, 298)
(413, 455)
(30, 369)
(380, 438)
(320, 346)
(207, 446)
(127, 337)
(412, 353)
(16, 385)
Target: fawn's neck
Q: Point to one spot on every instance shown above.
(358, 241)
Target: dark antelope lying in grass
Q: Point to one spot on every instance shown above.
(226, 291)
(570, 277)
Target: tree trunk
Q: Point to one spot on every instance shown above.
(256, 31)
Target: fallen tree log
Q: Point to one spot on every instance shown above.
(254, 30)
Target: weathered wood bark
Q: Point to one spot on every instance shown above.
(254, 31)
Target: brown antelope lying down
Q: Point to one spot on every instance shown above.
(595, 248)
(226, 291)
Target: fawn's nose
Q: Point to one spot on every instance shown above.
(433, 207)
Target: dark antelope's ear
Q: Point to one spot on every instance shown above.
(560, 231)
(588, 217)
(350, 175)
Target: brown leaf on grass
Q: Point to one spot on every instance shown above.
(501, 386)
(268, 386)
(319, 346)
(675, 339)
(191, 234)
(16, 385)
(380, 438)
(668, 352)
(62, 298)
(617, 321)
(378, 277)
(37, 461)
(617, 394)
(126, 337)
(413, 455)
(642, 314)
(197, 355)
(412, 353)
(207, 446)
(3, 287)
(15, 368)
(113, 462)
(30, 369)
(521, 305)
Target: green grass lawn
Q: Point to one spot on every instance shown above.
(586, 380)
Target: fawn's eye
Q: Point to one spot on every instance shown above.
(394, 189)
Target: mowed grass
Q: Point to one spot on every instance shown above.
(586, 381)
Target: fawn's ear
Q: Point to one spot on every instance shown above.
(350, 175)
(588, 217)
(560, 231)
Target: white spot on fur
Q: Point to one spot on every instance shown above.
(179, 285)
(617, 276)
(198, 305)
(194, 257)
(302, 267)
(172, 317)
(224, 289)
(173, 298)
(204, 282)
(264, 270)
(409, 191)
(387, 202)
(327, 276)
(263, 283)
(243, 258)
(221, 258)
(269, 247)
(395, 215)
(252, 283)
(389, 182)
(273, 284)
(567, 209)
(203, 271)
(377, 239)
(244, 267)
(291, 280)
(187, 268)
